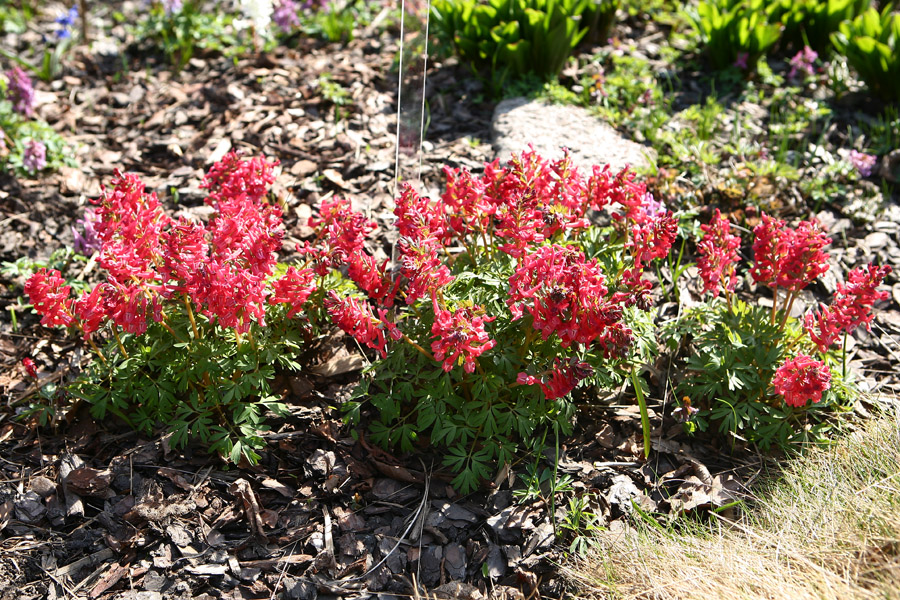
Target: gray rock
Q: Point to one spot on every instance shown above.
(518, 122)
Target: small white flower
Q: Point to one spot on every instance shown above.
(258, 12)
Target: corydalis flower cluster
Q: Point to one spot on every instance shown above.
(153, 261)
(20, 91)
(522, 213)
(718, 255)
(788, 259)
(851, 307)
(802, 379)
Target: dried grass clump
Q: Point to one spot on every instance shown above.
(828, 528)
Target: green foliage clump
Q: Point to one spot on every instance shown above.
(734, 31)
(735, 351)
(871, 43)
(506, 39)
(182, 33)
(811, 22)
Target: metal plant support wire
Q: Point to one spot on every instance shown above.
(412, 62)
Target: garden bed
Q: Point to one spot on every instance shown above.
(95, 509)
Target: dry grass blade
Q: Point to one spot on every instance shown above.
(829, 528)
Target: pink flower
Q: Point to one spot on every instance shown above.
(851, 307)
(788, 258)
(741, 61)
(802, 379)
(20, 91)
(718, 255)
(34, 159)
(862, 162)
(460, 336)
(803, 63)
(49, 294)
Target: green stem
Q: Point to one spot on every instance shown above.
(642, 403)
(844, 358)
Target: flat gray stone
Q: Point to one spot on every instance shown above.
(518, 122)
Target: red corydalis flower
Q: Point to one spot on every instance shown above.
(460, 336)
(652, 237)
(718, 255)
(129, 306)
(49, 294)
(851, 307)
(418, 217)
(293, 288)
(788, 258)
(372, 278)
(235, 178)
(30, 368)
(356, 318)
(342, 230)
(560, 380)
(93, 308)
(468, 207)
(801, 379)
(129, 226)
(421, 264)
(564, 294)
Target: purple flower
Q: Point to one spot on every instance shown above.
(285, 15)
(741, 61)
(20, 91)
(87, 243)
(803, 63)
(172, 6)
(864, 163)
(66, 21)
(35, 157)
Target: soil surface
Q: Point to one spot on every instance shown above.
(90, 509)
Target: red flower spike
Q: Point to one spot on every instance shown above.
(49, 294)
(236, 178)
(460, 336)
(92, 308)
(718, 255)
(786, 258)
(421, 264)
(342, 230)
(652, 236)
(293, 288)
(560, 380)
(356, 318)
(564, 293)
(372, 278)
(801, 379)
(851, 307)
(129, 226)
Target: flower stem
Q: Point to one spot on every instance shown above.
(787, 311)
(424, 352)
(844, 358)
(190, 312)
(119, 342)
